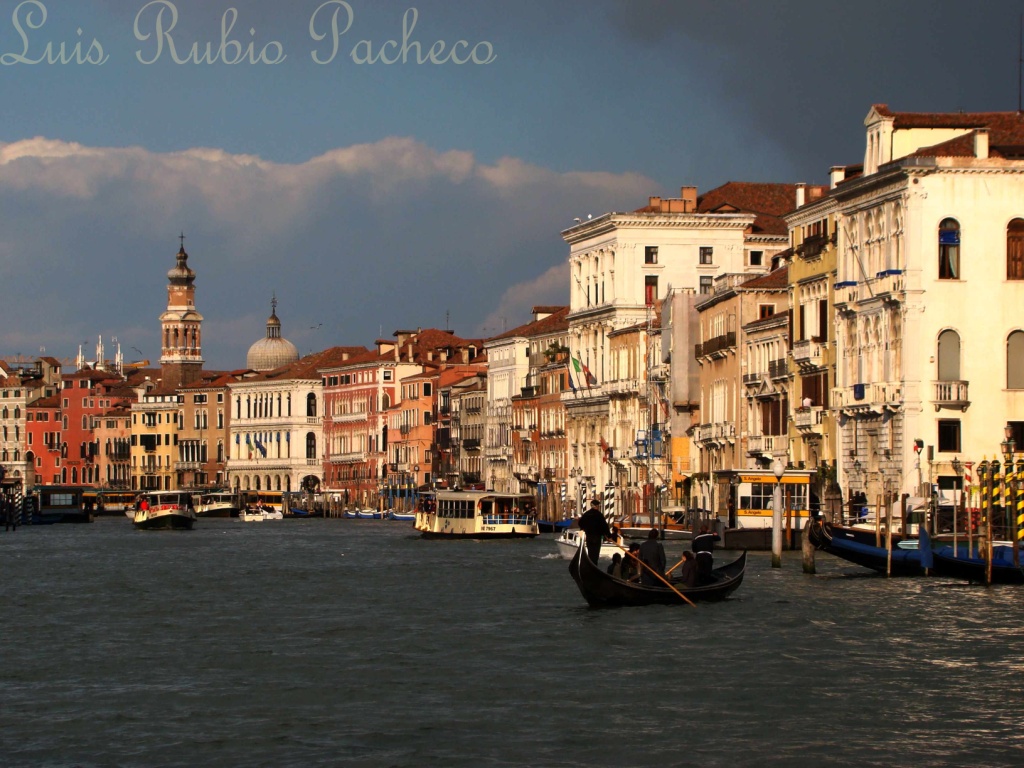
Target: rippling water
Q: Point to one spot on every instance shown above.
(350, 642)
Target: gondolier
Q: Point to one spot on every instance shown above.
(703, 547)
(595, 529)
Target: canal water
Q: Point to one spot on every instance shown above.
(351, 642)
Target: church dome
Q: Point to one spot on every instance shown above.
(273, 351)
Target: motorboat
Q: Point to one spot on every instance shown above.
(165, 510)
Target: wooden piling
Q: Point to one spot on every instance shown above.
(807, 547)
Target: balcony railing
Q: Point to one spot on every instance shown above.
(471, 444)
(760, 445)
(809, 419)
(873, 395)
(313, 419)
(343, 418)
(718, 432)
(716, 345)
(950, 394)
(350, 457)
(807, 352)
(622, 386)
(778, 369)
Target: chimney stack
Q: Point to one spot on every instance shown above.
(836, 174)
(981, 143)
(801, 194)
(689, 197)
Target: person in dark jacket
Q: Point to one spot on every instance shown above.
(652, 555)
(615, 569)
(688, 572)
(595, 529)
(703, 547)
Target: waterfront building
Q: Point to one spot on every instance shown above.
(508, 364)
(85, 396)
(539, 444)
(680, 331)
(113, 436)
(205, 428)
(744, 384)
(154, 438)
(468, 401)
(181, 332)
(275, 425)
(930, 278)
(22, 386)
(621, 263)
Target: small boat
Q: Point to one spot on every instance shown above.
(959, 565)
(602, 590)
(853, 546)
(298, 512)
(252, 515)
(673, 531)
(350, 514)
(218, 504)
(165, 510)
(554, 526)
(369, 514)
(568, 542)
(402, 516)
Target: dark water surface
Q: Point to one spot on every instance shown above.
(351, 642)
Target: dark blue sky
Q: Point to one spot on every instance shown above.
(372, 196)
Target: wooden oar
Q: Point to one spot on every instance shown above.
(669, 571)
(662, 578)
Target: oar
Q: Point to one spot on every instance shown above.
(669, 571)
(662, 578)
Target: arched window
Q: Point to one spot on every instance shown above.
(310, 445)
(257, 481)
(949, 356)
(1015, 250)
(949, 250)
(1015, 360)
(311, 404)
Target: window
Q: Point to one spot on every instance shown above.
(426, 387)
(651, 254)
(1015, 250)
(707, 254)
(949, 356)
(705, 284)
(949, 250)
(387, 375)
(765, 310)
(1015, 362)
(756, 258)
(949, 436)
(650, 289)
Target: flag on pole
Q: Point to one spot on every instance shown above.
(583, 372)
(605, 450)
(568, 372)
(248, 444)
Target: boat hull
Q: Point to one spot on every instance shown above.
(850, 546)
(164, 521)
(602, 590)
(944, 563)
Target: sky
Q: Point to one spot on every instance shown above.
(316, 152)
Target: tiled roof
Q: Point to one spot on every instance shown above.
(47, 402)
(779, 279)
(1006, 131)
(557, 321)
(768, 201)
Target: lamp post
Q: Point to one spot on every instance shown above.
(1010, 496)
(778, 469)
(958, 513)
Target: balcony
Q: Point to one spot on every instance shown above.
(950, 394)
(888, 284)
(808, 420)
(351, 457)
(187, 466)
(622, 387)
(346, 418)
(717, 346)
(719, 433)
(808, 353)
(812, 246)
(874, 397)
(525, 435)
(766, 445)
(778, 369)
(313, 420)
(471, 444)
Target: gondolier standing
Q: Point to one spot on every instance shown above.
(595, 529)
(703, 547)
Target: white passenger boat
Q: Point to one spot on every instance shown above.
(252, 515)
(165, 510)
(218, 504)
(476, 515)
(568, 542)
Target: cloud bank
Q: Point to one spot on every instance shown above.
(355, 243)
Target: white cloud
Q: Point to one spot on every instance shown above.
(380, 235)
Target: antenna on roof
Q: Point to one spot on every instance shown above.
(447, 319)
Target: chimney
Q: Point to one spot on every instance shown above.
(689, 196)
(430, 356)
(408, 351)
(465, 355)
(398, 354)
(654, 202)
(801, 194)
(836, 174)
(981, 143)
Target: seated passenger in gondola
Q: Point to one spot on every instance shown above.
(688, 571)
(615, 569)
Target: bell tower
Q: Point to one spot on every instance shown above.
(181, 357)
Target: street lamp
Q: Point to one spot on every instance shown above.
(778, 469)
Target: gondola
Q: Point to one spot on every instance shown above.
(602, 590)
(849, 545)
(1004, 571)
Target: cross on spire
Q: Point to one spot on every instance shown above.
(181, 237)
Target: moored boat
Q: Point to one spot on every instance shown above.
(165, 510)
(852, 545)
(218, 504)
(959, 564)
(568, 542)
(554, 526)
(602, 590)
(476, 515)
(401, 516)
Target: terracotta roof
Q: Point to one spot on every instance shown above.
(1006, 130)
(776, 280)
(557, 321)
(46, 402)
(768, 201)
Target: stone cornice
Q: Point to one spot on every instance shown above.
(611, 221)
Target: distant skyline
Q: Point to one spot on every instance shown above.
(372, 196)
